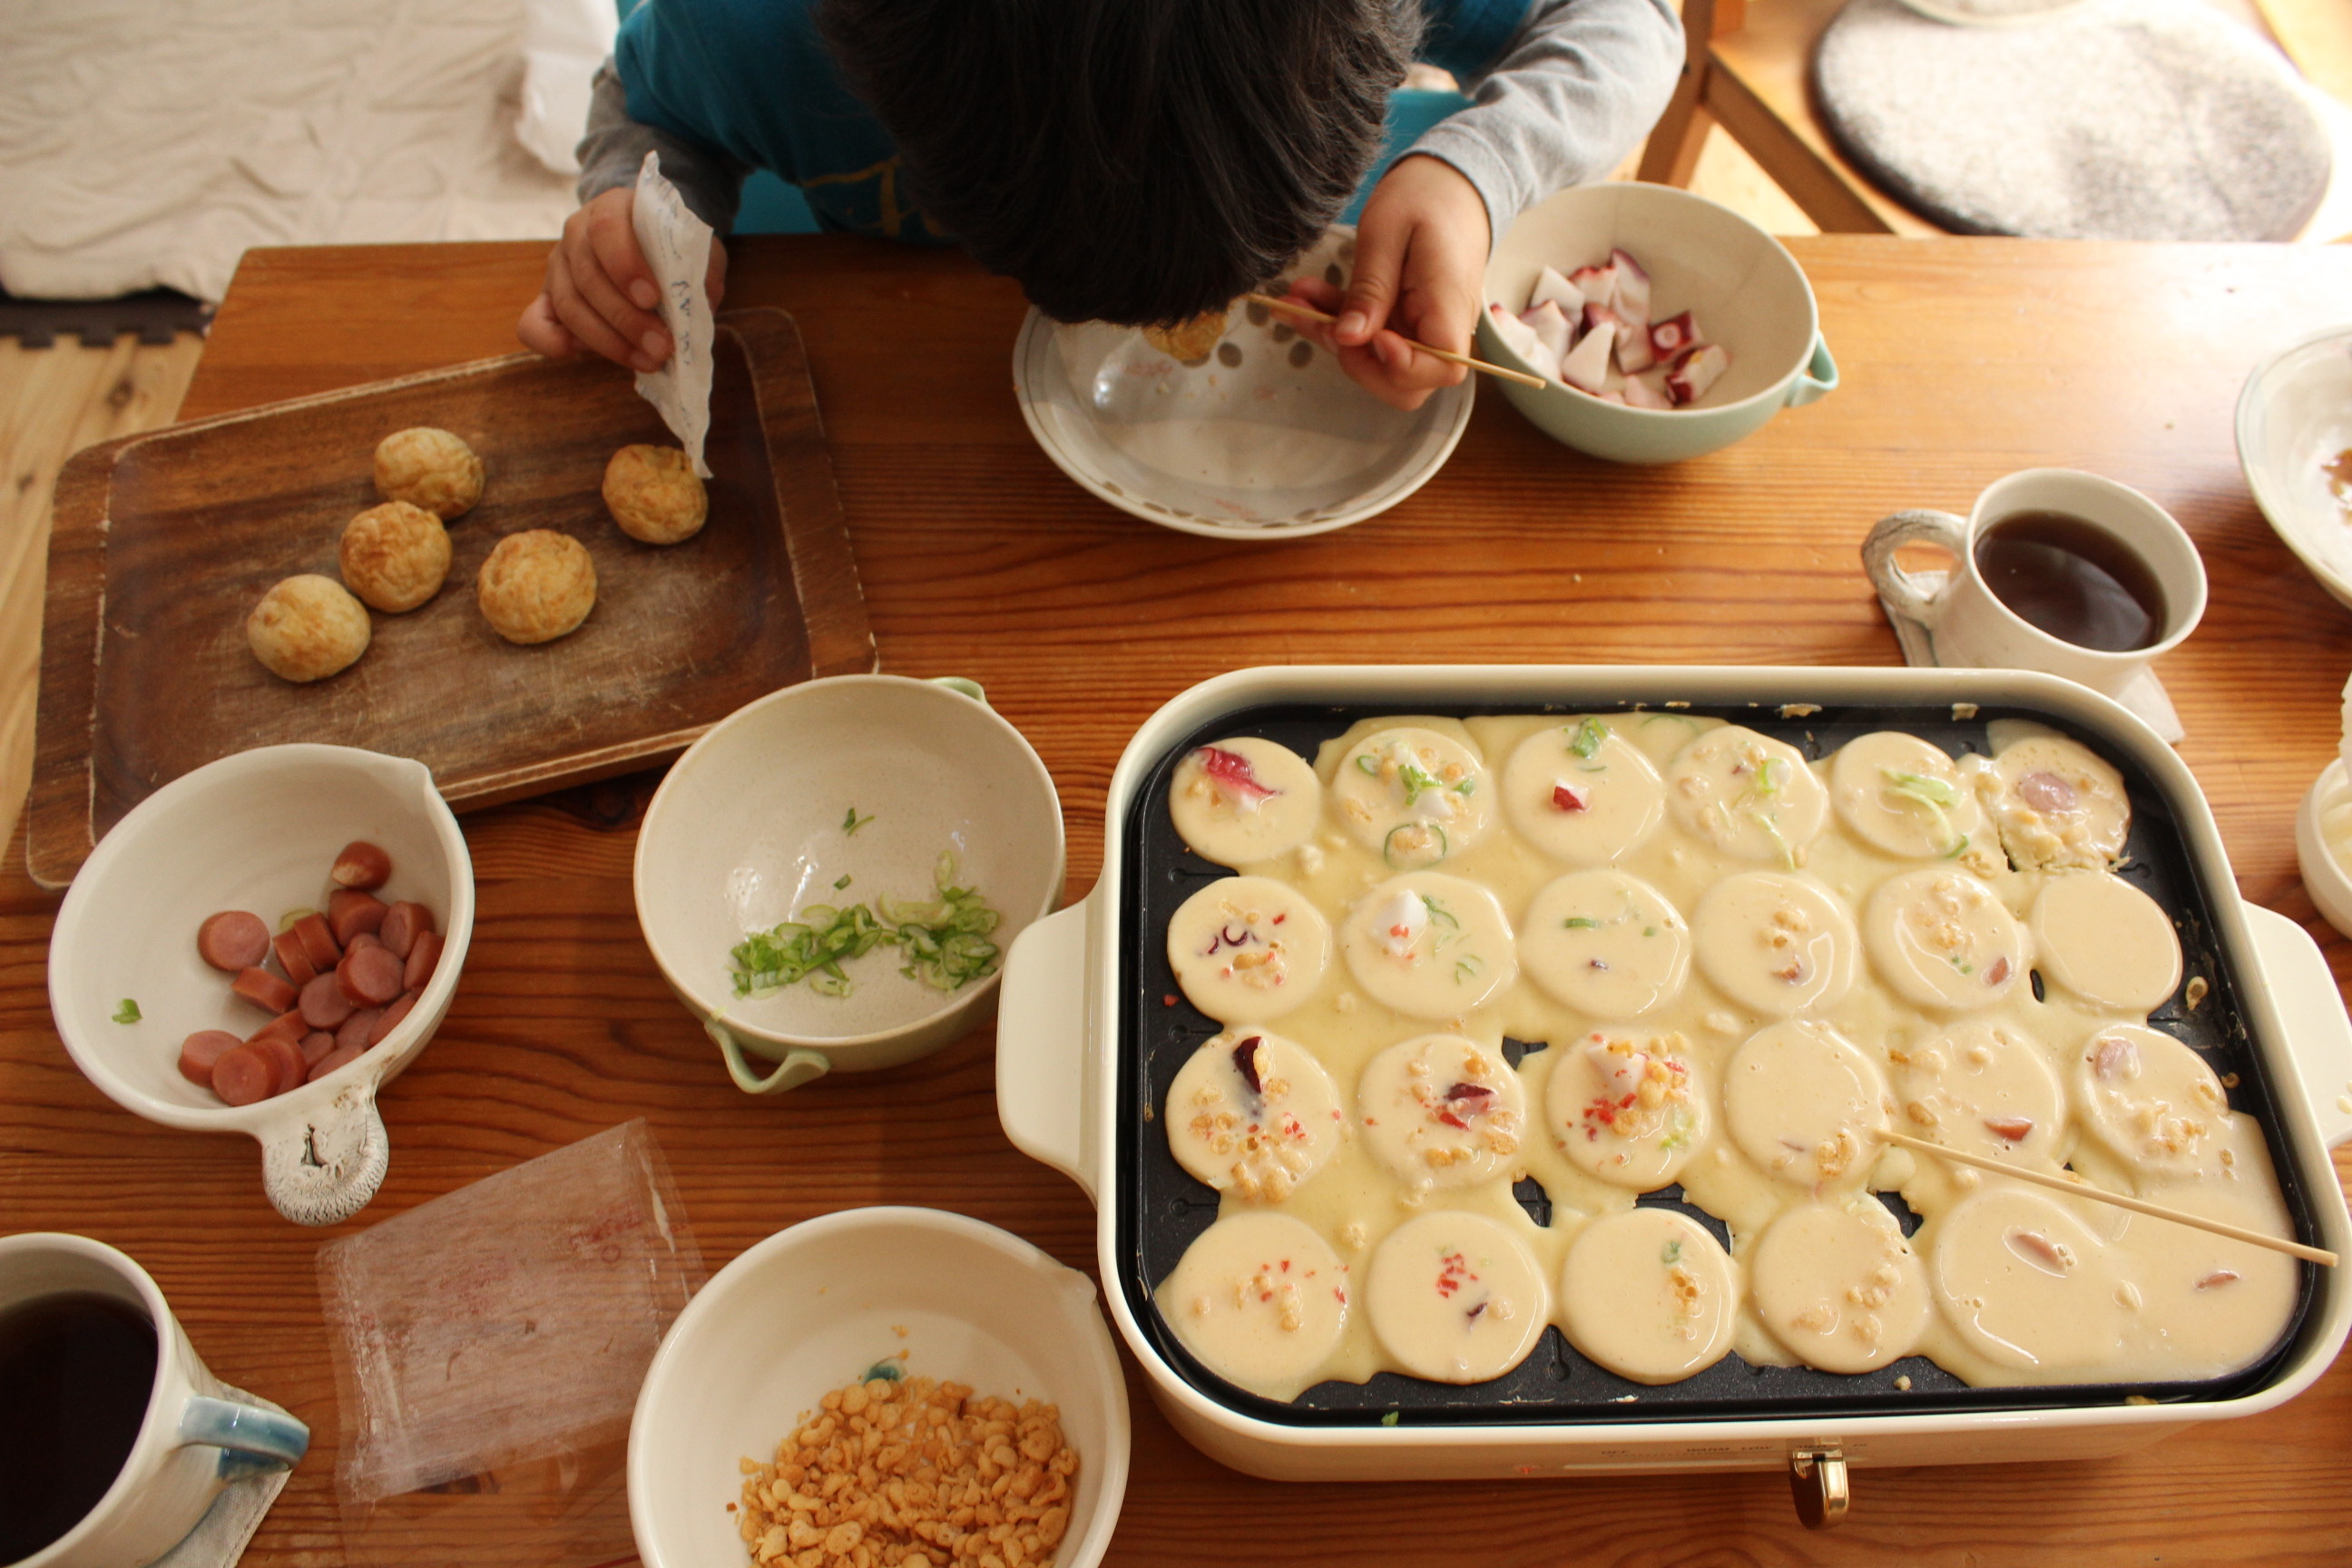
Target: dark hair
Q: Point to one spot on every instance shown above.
(1128, 160)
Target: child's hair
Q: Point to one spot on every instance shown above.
(1128, 160)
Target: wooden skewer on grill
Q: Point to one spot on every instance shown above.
(1293, 308)
(2082, 1189)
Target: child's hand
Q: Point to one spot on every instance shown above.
(599, 292)
(1420, 258)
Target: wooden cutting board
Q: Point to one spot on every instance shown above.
(161, 544)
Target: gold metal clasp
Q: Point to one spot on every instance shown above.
(1817, 1482)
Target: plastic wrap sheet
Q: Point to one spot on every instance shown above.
(489, 1346)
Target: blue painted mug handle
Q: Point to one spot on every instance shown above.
(250, 1439)
(1818, 379)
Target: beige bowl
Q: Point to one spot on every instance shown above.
(753, 825)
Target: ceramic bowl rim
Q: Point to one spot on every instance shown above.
(954, 1001)
(2254, 401)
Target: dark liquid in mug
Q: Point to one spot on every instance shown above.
(2073, 580)
(76, 1371)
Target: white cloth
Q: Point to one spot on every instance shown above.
(151, 142)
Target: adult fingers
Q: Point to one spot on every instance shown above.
(541, 333)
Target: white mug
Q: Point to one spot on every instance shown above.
(191, 1443)
(1973, 629)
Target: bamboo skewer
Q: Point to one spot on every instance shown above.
(2100, 1195)
(1292, 307)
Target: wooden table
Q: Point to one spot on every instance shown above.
(1962, 359)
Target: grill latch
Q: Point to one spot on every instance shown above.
(1817, 1481)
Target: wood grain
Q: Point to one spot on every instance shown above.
(1962, 360)
(163, 542)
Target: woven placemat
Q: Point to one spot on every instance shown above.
(2153, 120)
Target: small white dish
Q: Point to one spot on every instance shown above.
(254, 831)
(810, 1308)
(1266, 438)
(754, 825)
(2295, 416)
(2324, 877)
(1742, 287)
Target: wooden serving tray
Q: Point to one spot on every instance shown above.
(161, 544)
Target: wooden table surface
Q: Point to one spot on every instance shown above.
(1962, 359)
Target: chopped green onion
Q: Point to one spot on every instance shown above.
(1390, 1419)
(1925, 788)
(945, 939)
(128, 1013)
(1586, 738)
(852, 822)
(1439, 912)
(1466, 968)
(841, 881)
(887, 1371)
(1417, 780)
(1648, 930)
(1764, 785)
(1390, 849)
(1581, 923)
(1368, 763)
(1674, 1252)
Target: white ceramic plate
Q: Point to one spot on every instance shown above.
(1268, 438)
(813, 1306)
(2295, 416)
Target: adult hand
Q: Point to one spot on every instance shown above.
(1421, 259)
(600, 294)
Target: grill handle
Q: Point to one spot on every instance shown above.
(1045, 1067)
(2318, 1035)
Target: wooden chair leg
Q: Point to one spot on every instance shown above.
(1671, 154)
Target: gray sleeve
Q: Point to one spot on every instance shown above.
(1574, 93)
(614, 149)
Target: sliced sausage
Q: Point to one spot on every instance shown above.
(423, 959)
(285, 1026)
(200, 1050)
(361, 939)
(361, 866)
(403, 924)
(324, 1005)
(293, 960)
(292, 1068)
(245, 1076)
(349, 913)
(370, 976)
(317, 939)
(341, 1055)
(314, 1047)
(233, 940)
(355, 1032)
(265, 990)
(391, 1019)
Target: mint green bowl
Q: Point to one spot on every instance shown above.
(1746, 289)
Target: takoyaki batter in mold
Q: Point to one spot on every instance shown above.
(1605, 943)
(1943, 941)
(1248, 949)
(1243, 801)
(1648, 1294)
(1455, 1298)
(1429, 945)
(1904, 797)
(1412, 796)
(1582, 794)
(1261, 1299)
(1442, 1111)
(1253, 1114)
(1748, 796)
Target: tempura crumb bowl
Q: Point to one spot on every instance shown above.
(1746, 290)
(812, 1308)
(837, 791)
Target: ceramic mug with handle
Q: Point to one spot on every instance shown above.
(191, 1442)
(1974, 629)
